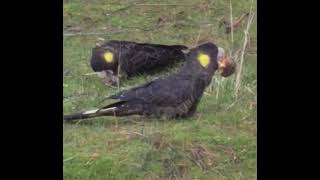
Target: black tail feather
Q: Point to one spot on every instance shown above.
(115, 109)
(116, 104)
(89, 114)
(76, 116)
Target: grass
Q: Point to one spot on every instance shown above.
(219, 142)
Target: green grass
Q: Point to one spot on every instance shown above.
(219, 142)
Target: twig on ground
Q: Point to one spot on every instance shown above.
(246, 34)
(231, 22)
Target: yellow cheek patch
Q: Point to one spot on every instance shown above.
(204, 60)
(108, 56)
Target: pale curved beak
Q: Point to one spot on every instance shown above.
(107, 77)
(226, 66)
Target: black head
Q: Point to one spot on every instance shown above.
(207, 58)
(104, 61)
(104, 58)
(203, 58)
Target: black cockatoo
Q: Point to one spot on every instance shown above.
(131, 58)
(173, 96)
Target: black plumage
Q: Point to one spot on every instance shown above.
(172, 96)
(132, 58)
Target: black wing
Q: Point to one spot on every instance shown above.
(169, 91)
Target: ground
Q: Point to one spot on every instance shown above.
(219, 142)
